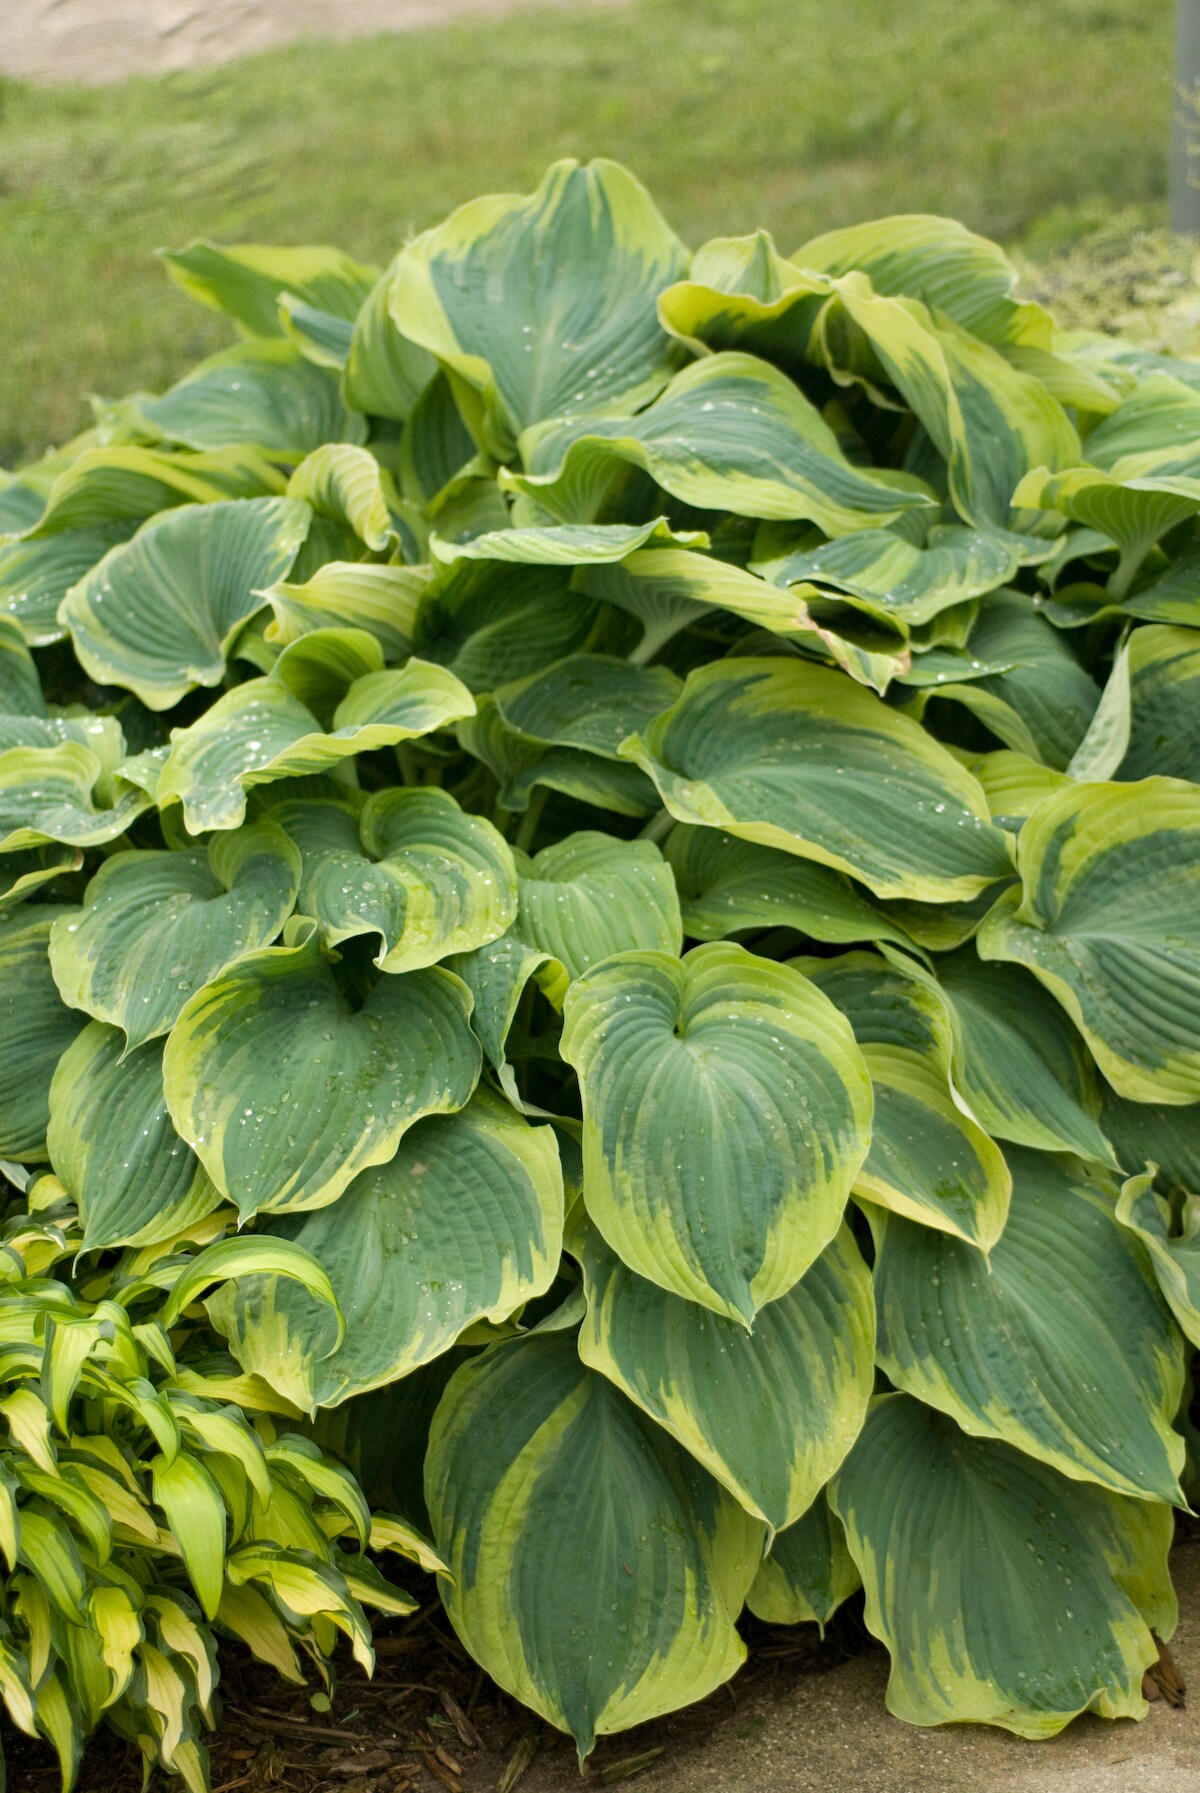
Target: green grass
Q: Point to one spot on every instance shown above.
(796, 114)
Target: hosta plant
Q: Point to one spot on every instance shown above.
(153, 1498)
(639, 809)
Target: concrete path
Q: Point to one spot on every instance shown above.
(94, 41)
(830, 1733)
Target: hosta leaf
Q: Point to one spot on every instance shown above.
(892, 576)
(807, 1573)
(320, 336)
(260, 732)
(532, 1453)
(1059, 1344)
(665, 591)
(195, 1512)
(916, 255)
(1160, 414)
(726, 1113)
(158, 614)
(589, 896)
(1042, 701)
(35, 1029)
(1090, 1568)
(463, 1224)
(1133, 512)
(1014, 785)
(791, 756)
(285, 1090)
(588, 701)
(244, 1256)
(383, 600)
(385, 374)
(412, 867)
(261, 395)
(729, 886)
(1164, 733)
(249, 1617)
(1019, 1063)
(128, 484)
(50, 794)
(246, 280)
(436, 447)
(20, 684)
(729, 433)
(558, 544)
(929, 1159)
(519, 765)
(1173, 597)
(100, 733)
(770, 1413)
(320, 668)
(668, 588)
(496, 975)
(545, 304)
(24, 872)
(305, 1587)
(491, 623)
(1103, 747)
(1174, 1256)
(35, 576)
(991, 422)
(1106, 918)
(1145, 1133)
(111, 1142)
(23, 495)
(156, 926)
(742, 294)
(346, 484)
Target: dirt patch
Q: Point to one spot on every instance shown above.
(804, 1716)
(93, 41)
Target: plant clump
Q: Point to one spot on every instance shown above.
(622, 826)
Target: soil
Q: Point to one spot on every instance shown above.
(93, 41)
(805, 1715)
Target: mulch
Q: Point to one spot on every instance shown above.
(429, 1720)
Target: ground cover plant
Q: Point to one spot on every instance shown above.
(617, 831)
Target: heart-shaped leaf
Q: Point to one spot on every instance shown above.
(463, 1224)
(929, 1159)
(154, 926)
(112, 1143)
(589, 896)
(643, 1619)
(793, 757)
(35, 1030)
(1091, 1568)
(261, 731)
(1106, 917)
(285, 1089)
(158, 614)
(726, 1114)
(545, 304)
(1059, 1344)
(412, 867)
(770, 1413)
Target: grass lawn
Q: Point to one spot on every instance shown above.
(796, 114)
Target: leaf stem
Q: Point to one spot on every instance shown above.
(523, 840)
(407, 761)
(658, 827)
(1129, 561)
